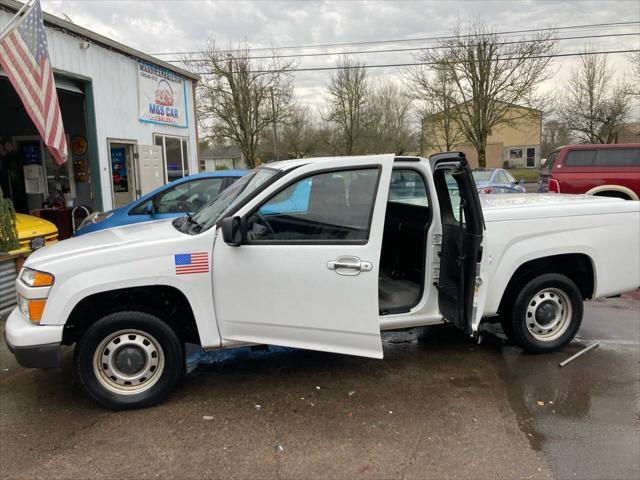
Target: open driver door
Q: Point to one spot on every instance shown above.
(462, 232)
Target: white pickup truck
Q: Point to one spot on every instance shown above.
(320, 254)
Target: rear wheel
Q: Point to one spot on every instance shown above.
(129, 359)
(546, 313)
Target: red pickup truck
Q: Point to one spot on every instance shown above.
(611, 170)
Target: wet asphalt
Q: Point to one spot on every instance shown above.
(439, 405)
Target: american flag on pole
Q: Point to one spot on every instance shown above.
(191, 263)
(25, 60)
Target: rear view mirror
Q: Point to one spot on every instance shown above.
(149, 209)
(232, 231)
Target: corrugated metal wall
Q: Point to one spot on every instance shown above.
(7, 286)
(114, 86)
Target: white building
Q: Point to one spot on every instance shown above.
(129, 120)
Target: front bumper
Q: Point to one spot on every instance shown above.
(34, 346)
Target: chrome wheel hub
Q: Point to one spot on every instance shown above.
(548, 314)
(128, 362)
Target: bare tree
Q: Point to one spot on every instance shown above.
(634, 58)
(554, 135)
(389, 119)
(439, 110)
(301, 136)
(235, 96)
(593, 106)
(490, 77)
(348, 92)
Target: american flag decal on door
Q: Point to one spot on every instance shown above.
(191, 263)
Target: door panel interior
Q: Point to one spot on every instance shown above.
(462, 230)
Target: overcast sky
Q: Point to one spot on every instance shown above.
(171, 26)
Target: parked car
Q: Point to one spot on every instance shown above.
(182, 196)
(252, 268)
(605, 170)
(497, 180)
(34, 232)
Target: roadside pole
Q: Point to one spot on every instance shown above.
(276, 153)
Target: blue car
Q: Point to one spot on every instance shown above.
(288, 201)
(182, 196)
(497, 180)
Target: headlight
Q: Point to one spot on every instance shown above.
(94, 217)
(34, 278)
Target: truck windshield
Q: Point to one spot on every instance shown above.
(233, 196)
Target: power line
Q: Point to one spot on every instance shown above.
(396, 50)
(415, 64)
(404, 40)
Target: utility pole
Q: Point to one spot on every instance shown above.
(276, 153)
(421, 138)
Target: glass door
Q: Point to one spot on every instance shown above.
(175, 156)
(531, 157)
(122, 173)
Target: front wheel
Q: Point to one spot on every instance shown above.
(545, 315)
(129, 359)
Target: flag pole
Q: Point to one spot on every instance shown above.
(16, 18)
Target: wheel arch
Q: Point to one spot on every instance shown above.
(579, 267)
(164, 301)
(618, 189)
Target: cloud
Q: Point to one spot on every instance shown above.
(171, 26)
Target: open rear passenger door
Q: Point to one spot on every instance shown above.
(462, 231)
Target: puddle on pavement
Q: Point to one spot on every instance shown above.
(538, 388)
(546, 399)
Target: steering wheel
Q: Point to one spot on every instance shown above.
(265, 222)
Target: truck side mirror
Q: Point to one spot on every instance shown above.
(232, 231)
(521, 181)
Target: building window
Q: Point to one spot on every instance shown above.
(175, 156)
(531, 157)
(515, 153)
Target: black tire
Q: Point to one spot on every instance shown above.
(165, 342)
(515, 321)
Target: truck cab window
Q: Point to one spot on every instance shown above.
(332, 207)
(580, 158)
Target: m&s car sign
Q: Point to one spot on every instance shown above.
(161, 96)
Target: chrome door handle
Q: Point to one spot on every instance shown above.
(349, 265)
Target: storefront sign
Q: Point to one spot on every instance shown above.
(119, 170)
(161, 96)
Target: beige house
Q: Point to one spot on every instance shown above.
(514, 144)
(628, 133)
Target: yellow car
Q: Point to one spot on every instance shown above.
(34, 232)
